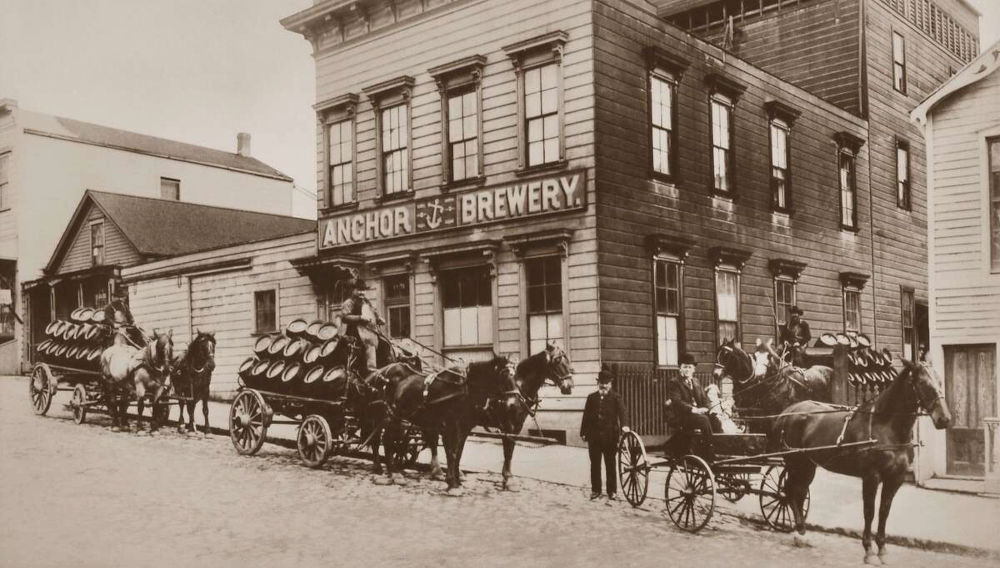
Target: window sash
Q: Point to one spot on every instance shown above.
(994, 205)
(541, 113)
(544, 329)
(662, 102)
(170, 189)
(784, 299)
(721, 142)
(399, 320)
(265, 311)
(727, 285)
(340, 156)
(848, 192)
(898, 62)
(903, 176)
(852, 310)
(97, 244)
(467, 297)
(779, 165)
(544, 285)
(667, 287)
(667, 339)
(463, 135)
(395, 150)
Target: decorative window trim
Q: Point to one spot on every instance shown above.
(328, 113)
(668, 67)
(540, 243)
(906, 201)
(853, 280)
(718, 83)
(668, 61)
(848, 141)
(778, 110)
(466, 254)
(844, 289)
(660, 244)
(788, 268)
(463, 75)
(385, 95)
(530, 54)
(734, 257)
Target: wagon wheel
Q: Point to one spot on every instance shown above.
(407, 450)
(775, 504)
(315, 440)
(690, 493)
(633, 468)
(40, 387)
(734, 486)
(248, 422)
(78, 403)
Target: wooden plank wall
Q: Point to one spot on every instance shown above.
(813, 45)
(117, 249)
(631, 205)
(222, 302)
(900, 238)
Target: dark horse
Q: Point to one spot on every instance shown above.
(772, 393)
(129, 372)
(888, 419)
(192, 378)
(504, 403)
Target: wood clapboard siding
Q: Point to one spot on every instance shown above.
(965, 306)
(814, 46)
(900, 236)
(117, 249)
(631, 205)
(222, 302)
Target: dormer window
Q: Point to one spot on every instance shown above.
(97, 244)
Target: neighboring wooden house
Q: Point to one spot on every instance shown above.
(705, 195)
(109, 232)
(961, 122)
(47, 162)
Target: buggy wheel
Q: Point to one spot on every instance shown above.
(633, 468)
(314, 440)
(775, 504)
(690, 493)
(733, 486)
(78, 404)
(248, 422)
(407, 450)
(40, 387)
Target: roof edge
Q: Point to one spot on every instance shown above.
(976, 70)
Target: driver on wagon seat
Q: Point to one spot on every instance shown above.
(359, 320)
(687, 405)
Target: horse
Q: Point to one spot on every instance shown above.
(767, 395)
(128, 371)
(192, 378)
(888, 419)
(507, 402)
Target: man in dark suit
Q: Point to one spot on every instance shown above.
(795, 336)
(604, 417)
(688, 404)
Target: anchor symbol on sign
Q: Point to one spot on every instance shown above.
(433, 216)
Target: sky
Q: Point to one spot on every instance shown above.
(197, 71)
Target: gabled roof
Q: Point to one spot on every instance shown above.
(160, 228)
(977, 69)
(95, 134)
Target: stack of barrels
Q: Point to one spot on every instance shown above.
(77, 342)
(306, 359)
(868, 368)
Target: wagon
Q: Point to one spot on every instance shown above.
(740, 465)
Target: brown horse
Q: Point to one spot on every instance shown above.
(129, 372)
(887, 419)
(192, 379)
(770, 394)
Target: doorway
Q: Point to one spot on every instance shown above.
(970, 390)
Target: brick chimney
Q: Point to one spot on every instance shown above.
(243, 144)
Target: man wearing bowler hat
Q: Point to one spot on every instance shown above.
(604, 417)
(795, 336)
(688, 405)
(360, 323)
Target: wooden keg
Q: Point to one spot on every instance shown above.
(291, 378)
(312, 381)
(261, 345)
(296, 328)
(277, 346)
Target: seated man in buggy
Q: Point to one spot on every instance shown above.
(688, 407)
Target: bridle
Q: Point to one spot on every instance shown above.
(926, 406)
(550, 377)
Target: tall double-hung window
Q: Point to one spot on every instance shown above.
(663, 108)
(848, 146)
(391, 103)
(467, 297)
(668, 287)
(993, 147)
(538, 64)
(545, 301)
(722, 138)
(902, 174)
(338, 119)
(460, 87)
(898, 62)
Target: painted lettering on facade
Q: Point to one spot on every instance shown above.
(527, 198)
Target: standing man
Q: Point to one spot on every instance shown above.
(795, 335)
(604, 416)
(358, 320)
(687, 405)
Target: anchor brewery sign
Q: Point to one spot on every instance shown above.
(529, 198)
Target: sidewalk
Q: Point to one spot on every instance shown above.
(920, 517)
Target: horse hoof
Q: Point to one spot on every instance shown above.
(401, 481)
(381, 480)
(511, 485)
(884, 558)
(455, 492)
(115, 429)
(436, 476)
(872, 559)
(801, 541)
(181, 430)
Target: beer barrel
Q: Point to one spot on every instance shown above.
(94, 355)
(277, 346)
(291, 378)
(313, 380)
(334, 381)
(864, 340)
(273, 375)
(843, 339)
(41, 347)
(72, 352)
(97, 317)
(95, 333)
(828, 339)
(51, 349)
(328, 350)
(75, 315)
(245, 371)
(296, 328)
(50, 329)
(69, 332)
(258, 374)
(60, 351)
(85, 315)
(57, 329)
(295, 349)
(326, 332)
(312, 330)
(260, 346)
(311, 356)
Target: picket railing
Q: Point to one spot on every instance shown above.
(644, 390)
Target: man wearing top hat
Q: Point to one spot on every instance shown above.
(687, 403)
(604, 417)
(356, 323)
(795, 336)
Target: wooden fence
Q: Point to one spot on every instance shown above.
(644, 390)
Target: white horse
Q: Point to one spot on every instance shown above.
(128, 371)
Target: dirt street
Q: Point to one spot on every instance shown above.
(83, 496)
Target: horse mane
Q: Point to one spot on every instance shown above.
(531, 363)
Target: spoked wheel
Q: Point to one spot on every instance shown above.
(690, 493)
(633, 468)
(733, 486)
(78, 404)
(775, 504)
(407, 450)
(315, 440)
(248, 422)
(41, 387)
